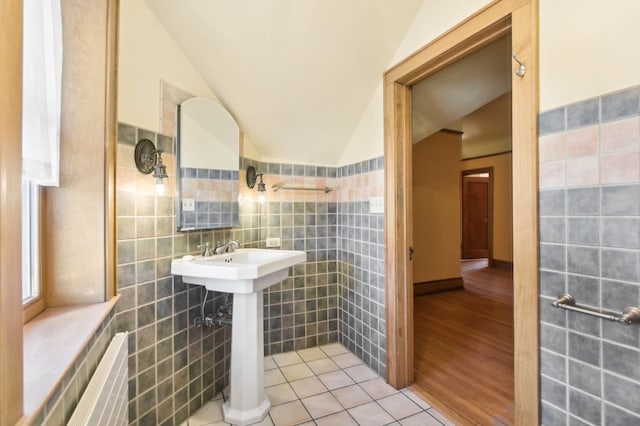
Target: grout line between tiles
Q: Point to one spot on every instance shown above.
(427, 411)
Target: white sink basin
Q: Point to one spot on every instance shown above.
(245, 272)
(242, 271)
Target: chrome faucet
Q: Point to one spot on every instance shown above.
(206, 252)
(231, 245)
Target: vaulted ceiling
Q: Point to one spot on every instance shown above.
(297, 75)
(446, 97)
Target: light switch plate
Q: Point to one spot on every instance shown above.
(273, 242)
(376, 205)
(188, 205)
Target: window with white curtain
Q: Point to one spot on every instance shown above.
(41, 105)
(31, 282)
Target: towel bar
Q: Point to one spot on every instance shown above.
(300, 188)
(629, 315)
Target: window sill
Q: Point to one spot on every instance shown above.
(52, 342)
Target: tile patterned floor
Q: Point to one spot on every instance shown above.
(329, 386)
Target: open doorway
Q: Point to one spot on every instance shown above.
(463, 307)
(496, 20)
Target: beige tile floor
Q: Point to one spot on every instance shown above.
(328, 386)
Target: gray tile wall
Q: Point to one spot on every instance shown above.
(64, 399)
(173, 367)
(361, 274)
(590, 247)
(362, 284)
(338, 294)
(302, 311)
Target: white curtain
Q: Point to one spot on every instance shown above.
(42, 88)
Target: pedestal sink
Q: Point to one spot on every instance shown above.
(245, 273)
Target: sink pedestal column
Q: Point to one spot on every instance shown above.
(247, 402)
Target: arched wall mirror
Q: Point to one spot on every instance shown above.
(208, 156)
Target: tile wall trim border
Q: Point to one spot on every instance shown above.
(601, 109)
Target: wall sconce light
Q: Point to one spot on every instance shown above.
(252, 177)
(149, 159)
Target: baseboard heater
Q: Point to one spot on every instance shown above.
(105, 400)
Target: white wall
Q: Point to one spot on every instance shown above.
(434, 18)
(248, 148)
(147, 54)
(368, 139)
(587, 48)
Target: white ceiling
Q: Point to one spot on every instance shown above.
(297, 75)
(444, 98)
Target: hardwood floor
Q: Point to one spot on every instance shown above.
(495, 283)
(464, 347)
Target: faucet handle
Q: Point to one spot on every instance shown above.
(207, 249)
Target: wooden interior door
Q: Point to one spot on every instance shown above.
(475, 217)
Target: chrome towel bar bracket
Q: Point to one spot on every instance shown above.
(629, 315)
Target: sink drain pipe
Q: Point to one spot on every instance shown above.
(222, 318)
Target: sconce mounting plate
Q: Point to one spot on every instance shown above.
(145, 156)
(252, 176)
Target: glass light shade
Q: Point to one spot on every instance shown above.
(160, 188)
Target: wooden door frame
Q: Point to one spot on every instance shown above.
(499, 18)
(463, 173)
(11, 389)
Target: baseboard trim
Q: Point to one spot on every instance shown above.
(436, 286)
(504, 264)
